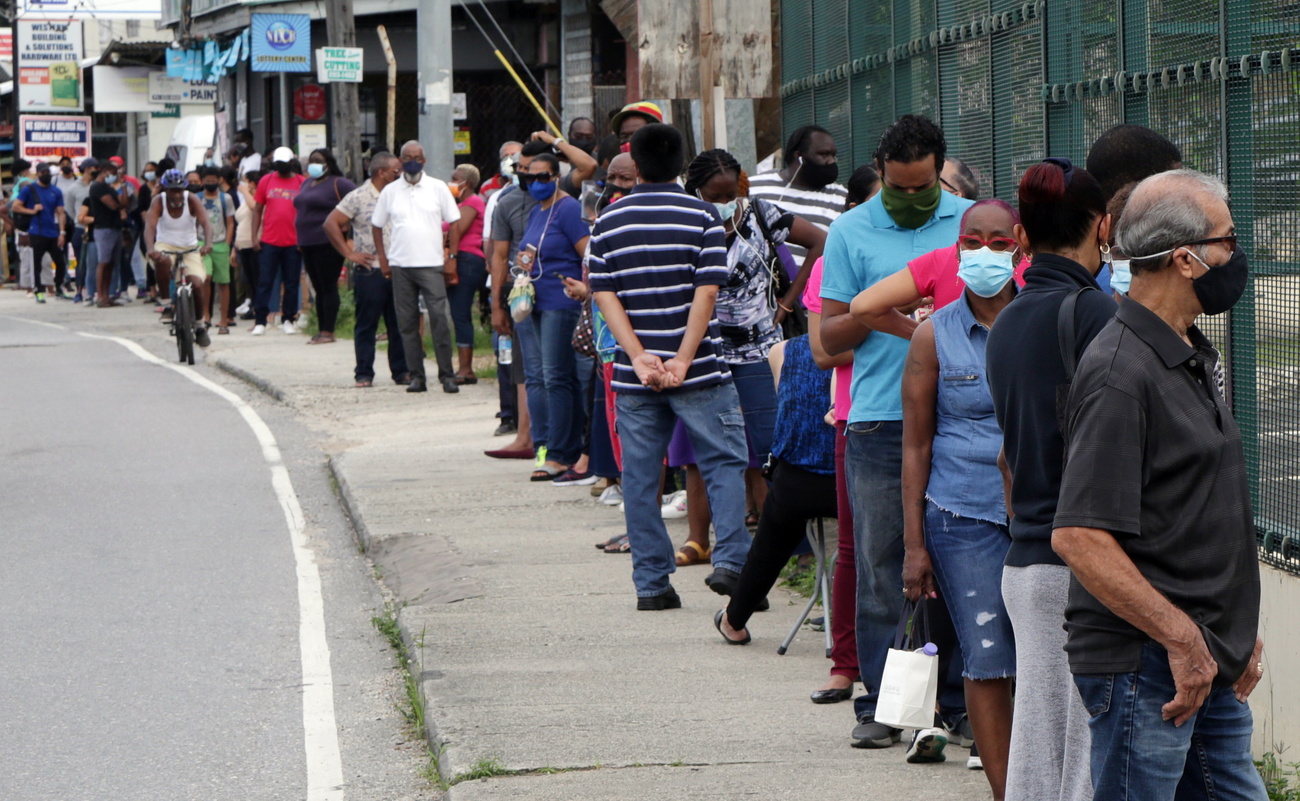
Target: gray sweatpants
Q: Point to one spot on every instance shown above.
(1050, 743)
(408, 284)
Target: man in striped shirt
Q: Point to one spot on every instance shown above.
(806, 187)
(658, 257)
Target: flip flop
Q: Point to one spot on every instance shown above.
(600, 546)
(619, 545)
(364, 384)
(692, 554)
(717, 624)
(547, 473)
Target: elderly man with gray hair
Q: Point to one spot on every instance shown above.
(1154, 517)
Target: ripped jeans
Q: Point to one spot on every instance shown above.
(967, 555)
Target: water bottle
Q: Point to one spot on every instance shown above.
(505, 352)
(930, 649)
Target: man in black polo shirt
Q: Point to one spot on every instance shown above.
(1154, 516)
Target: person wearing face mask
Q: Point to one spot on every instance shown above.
(747, 305)
(66, 177)
(275, 237)
(909, 217)
(43, 203)
(1121, 275)
(1063, 222)
(411, 254)
(323, 190)
(583, 165)
(73, 198)
(807, 186)
(1154, 517)
(465, 240)
(217, 263)
(954, 517)
(109, 211)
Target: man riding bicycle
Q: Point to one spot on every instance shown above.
(171, 230)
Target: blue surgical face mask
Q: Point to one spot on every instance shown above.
(541, 191)
(149, 175)
(209, 162)
(315, 170)
(985, 271)
(110, 179)
(1120, 276)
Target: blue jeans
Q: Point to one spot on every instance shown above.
(600, 446)
(717, 430)
(565, 406)
(530, 345)
(472, 272)
(757, 393)
(1138, 756)
(373, 295)
(284, 263)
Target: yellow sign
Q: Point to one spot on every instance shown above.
(65, 84)
(461, 140)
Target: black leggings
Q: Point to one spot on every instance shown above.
(248, 266)
(324, 264)
(795, 497)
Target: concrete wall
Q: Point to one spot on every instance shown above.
(1276, 701)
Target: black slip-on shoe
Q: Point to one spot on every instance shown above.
(668, 599)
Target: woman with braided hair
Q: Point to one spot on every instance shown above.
(747, 306)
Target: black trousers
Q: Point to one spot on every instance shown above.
(795, 497)
(48, 244)
(323, 264)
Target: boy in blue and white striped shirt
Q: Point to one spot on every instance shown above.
(657, 259)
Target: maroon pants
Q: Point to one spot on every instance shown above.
(844, 585)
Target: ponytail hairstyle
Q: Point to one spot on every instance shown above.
(1059, 204)
(711, 163)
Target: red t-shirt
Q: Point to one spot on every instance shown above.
(275, 195)
(935, 275)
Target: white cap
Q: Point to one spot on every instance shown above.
(283, 154)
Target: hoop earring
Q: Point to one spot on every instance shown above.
(1105, 248)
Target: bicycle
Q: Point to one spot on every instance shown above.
(183, 324)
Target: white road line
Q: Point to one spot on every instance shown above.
(324, 762)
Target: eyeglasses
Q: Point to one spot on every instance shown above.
(1230, 240)
(540, 177)
(945, 183)
(998, 244)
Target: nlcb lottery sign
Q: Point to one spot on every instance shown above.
(281, 43)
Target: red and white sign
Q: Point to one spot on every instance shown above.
(46, 137)
(309, 102)
(6, 44)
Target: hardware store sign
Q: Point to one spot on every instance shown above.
(49, 65)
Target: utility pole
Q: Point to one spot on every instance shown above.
(345, 116)
(707, 76)
(434, 42)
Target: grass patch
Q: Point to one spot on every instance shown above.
(1281, 779)
(413, 710)
(802, 580)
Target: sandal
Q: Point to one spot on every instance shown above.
(751, 520)
(547, 473)
(466, 379)
(692, 554)
(364, 384)
(221, 329)
(619, 545)
(600, 546)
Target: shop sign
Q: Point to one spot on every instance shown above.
(281, 42)
(339, 64)
(44, 137)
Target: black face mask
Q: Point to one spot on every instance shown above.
(583, 143)
(211, 187)
(67, 170)
(1221, 288)
(818, 175)
(45, 178)
(195, 188)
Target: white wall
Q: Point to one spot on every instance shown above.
(1276, 701)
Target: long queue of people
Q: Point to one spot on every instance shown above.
(1008, 408)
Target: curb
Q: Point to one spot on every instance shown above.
(350, 506)
(256, 381)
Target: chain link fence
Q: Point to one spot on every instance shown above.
(1014, 82)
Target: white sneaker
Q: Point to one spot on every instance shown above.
(258, 330)
(675, 508)
(301, 322)
(927, 746)
(288, 327)
(244, 308)
(612, 496)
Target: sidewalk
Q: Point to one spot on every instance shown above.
(530, 649)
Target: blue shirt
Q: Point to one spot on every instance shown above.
(555, 232)
(803, 395)
(964, 475)
(864, 246)
(653, 248)
(46, 223)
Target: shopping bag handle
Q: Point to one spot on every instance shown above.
(913, 618)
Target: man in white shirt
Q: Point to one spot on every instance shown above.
(411, 254)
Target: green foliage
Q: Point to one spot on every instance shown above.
(1281, 780)
(800, 579)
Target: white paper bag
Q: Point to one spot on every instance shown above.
(908, 689)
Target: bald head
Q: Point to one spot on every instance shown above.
(622, 172)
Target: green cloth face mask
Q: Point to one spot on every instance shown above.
(911, 209)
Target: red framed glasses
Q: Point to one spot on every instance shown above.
(998, 244)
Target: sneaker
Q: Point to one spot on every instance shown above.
(973, 762)
(40, 297)
(675, 507)
(258, 330)
(574, 479)
(507, 427)
(244, 308)
(288, 327)
(169, 313)
(201, 336)
(669, 599)
(539, 461)
(871, 734)
(301, 322)
(927, 746)
(612, 496)
(959, 730)
(76, 298)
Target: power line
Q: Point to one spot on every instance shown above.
(520, 59)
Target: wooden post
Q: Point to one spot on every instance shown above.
(392, 89)
(707, 75)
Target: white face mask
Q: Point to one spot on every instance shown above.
(1120, 275)
(985, 271)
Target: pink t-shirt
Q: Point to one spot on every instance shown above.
(472, 240)
(812, 301)
(935, 275)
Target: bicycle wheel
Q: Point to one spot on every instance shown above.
(184, 323)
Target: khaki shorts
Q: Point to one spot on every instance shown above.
(191, 262)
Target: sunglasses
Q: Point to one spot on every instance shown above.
(1230, 240)
(541, 177)
(998, 244)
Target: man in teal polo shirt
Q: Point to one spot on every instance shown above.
(910, 216)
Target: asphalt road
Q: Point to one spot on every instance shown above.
(150, 607)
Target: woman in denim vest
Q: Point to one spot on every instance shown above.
(955, 518)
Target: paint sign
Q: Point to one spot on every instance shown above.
(281, 42)
(339, 64)
(163, 90)
(49, 65)
(47, 137)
